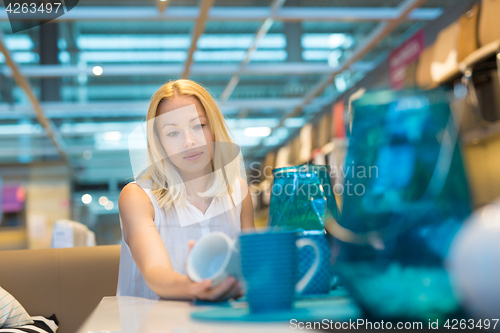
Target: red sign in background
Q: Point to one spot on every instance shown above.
(404, 55)
(338, 119)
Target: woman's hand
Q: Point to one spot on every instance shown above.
(229, 288)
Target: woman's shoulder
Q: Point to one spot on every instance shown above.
(240, 188)
(137, 190)
(133, 198)
(132, 191)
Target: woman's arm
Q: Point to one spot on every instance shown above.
(246, 217)
(151, 257)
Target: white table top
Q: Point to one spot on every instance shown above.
(133, 314)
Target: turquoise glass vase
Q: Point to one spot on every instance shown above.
(301, 197)
(403, 211)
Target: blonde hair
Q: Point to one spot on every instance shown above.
(167, 184)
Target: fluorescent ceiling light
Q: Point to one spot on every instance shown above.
(133, 56)
(110, 140)
(26, 57)
(326, 41)
(243, 141)
(206, 41)
(112, 136)
(315, 55)
(22, 57)
(252, 122)
(244, 41)
(111, 145)
(91, 128)
(20, 129)
(222, 56)
(19, 42)
(278, 55)
(179, 56)
(99, 42)
(257, 131)
(336, 40)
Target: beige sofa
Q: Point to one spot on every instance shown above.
(69, 282)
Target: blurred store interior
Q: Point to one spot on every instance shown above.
(282, 72)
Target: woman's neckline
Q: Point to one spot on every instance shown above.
(199, 210)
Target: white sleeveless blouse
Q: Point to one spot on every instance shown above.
(176, 226)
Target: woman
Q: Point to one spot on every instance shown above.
(192, 186)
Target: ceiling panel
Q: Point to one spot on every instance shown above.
(137, 55)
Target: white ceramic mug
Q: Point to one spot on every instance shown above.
(215, 257)
(473, 262)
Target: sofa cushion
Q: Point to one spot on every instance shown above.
(12, 313)
(69, 282)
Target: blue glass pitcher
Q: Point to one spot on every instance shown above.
(302, 197)
(395, 233)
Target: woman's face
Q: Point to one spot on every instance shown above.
(185, 133)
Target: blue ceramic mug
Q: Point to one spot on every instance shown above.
(269, 263)
(321, 281)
